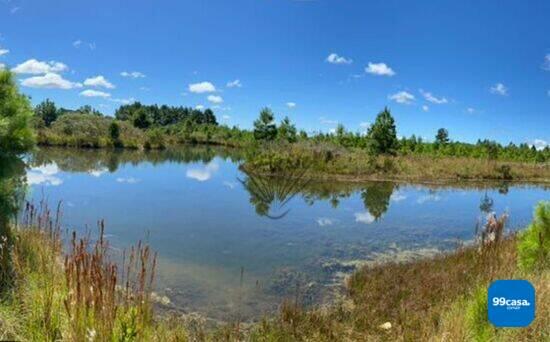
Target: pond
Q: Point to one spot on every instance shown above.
(234, 246)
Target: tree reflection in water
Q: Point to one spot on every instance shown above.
(269, 192)
(12, 192)
(376, 197)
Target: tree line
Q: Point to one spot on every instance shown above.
(191, 124)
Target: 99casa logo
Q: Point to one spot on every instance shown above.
(511, 303)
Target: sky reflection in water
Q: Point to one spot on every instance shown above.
(207, 220)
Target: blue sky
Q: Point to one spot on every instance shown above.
(480, 69)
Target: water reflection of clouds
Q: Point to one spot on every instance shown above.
(398, 196)
(44, 175)
(364, 217)
(230, 185)
(203, 173)
(428, 198)
(98, 172)
(325, 221)
(128, 180)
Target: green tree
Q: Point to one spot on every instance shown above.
(264, 127)
(209, 117)
(114, 132)
(382, 134)
(442, 137)
(287, 131)
(16, 134)
(141, 119)
(47, 111)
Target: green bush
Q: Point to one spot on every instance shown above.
(534, 242)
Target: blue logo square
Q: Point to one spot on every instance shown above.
(511, 303)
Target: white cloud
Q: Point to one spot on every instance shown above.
(402, 97)
(470, 110)
(539, 144)
(98, 81)
(91, 46)
(326, 121)
(202, 87)
(364, 217)
(425, 108)
(132, 74)
(324, 221)
(215, 98)
(499, 89)
(2, 66)
(97, 173)
(380, 69)
(45, 175)
(199, 107)
(226, 117)
(204, 173)
(4, 51)
(364, 127)
(234, 84)
(77, 43)
(428, 198)
(128, 180)
(35, 67)
(333, 58)
(546, 64)
(230, 185)
(124, 101)
(430, 97)
(397, 197)
(50, 81)
(94, 93)
(291, 104)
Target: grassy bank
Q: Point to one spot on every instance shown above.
(325, 162)
(79, 294)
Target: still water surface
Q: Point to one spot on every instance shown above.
(209, 222)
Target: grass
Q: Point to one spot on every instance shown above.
(81, 294)
(326, 162)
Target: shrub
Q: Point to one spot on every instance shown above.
(534, 242)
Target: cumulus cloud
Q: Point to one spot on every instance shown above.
(398, 196)
(428, 198)
(98, 81)
(539, 144)
(431, 98)
(199, 107)
(333, 58)
(234, 84)
(49, 81)
(499, 89)
(202, 87)
(203, 173)
(94, 93)
(35, 67)
(226, 117)
(291, 104)
(425, 108)
(380, 69)
(364, 217)
(215, 98)
(402, 97)
(4, 51)
(132, 74)
(77, 43)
